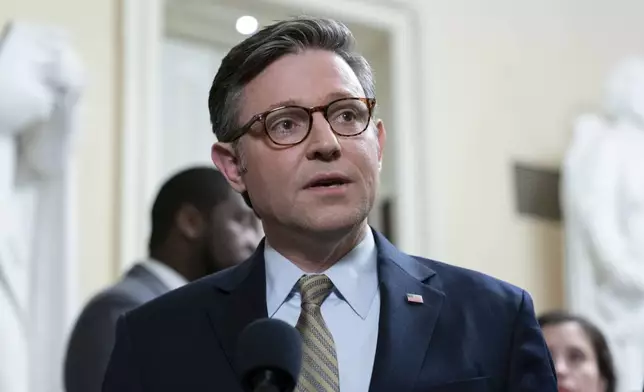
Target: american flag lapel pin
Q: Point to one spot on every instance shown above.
(414, 298)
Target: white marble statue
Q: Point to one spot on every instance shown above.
(603, 203)
(40, 84)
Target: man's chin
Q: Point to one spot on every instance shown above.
(334, 224)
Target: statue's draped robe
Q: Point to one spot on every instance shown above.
(603, 202)
(40, 85)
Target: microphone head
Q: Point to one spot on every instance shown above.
(269, 345)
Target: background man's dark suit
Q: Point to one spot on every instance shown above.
(472, 333)
(93, 336)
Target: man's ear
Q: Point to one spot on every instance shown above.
(228, 163)
(381, 135)
(190, 222)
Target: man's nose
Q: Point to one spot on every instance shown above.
(561, 367)
(323, 144)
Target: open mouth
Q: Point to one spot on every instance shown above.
(327, 182)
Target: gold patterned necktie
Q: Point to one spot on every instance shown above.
(319, 361)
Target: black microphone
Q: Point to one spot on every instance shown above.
(269, 356)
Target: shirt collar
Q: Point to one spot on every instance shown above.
(168, 276)
(355, 277)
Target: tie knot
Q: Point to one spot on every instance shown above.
(314, 288)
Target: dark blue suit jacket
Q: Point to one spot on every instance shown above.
(473, 333)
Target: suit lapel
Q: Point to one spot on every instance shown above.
(239, 299)
(405, 328)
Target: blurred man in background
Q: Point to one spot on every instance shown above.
(199, 226)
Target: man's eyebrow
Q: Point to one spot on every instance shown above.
(330, 97)
(341, 94)
(288, 102)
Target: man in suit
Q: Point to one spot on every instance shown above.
(199, 226)
(292, 109)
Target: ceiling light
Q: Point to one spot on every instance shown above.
(246, 25)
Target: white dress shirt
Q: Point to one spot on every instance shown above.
(167, 275)
(351, 311)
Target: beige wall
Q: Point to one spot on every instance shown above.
(504, 80)
(93, 28)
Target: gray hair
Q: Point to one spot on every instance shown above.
(249, 58)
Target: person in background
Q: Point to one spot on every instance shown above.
(582, 357)
(199, 226)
